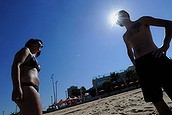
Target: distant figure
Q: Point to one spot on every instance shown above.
(25, 69)
(153, 67)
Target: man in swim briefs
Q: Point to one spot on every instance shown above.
(153, 67)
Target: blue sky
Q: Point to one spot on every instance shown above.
(79, 40)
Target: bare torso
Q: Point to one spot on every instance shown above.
(140, 39)
(25, 80)
(29, 74)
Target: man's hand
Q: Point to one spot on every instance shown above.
(162, 50)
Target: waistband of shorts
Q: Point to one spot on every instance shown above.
(144, 56)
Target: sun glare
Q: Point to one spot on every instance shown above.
(113, 18)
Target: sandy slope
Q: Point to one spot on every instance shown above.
(127, 103)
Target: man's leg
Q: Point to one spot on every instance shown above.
(162, 108)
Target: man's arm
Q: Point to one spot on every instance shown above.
(167, 24)
(129, 51)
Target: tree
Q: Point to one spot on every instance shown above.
(107, 86)
(92, 92)
(131, 74)
(76, 92)
(114, 76)
(83, 90)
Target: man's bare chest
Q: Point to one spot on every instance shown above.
(136, 33)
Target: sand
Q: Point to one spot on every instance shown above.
(127, 103)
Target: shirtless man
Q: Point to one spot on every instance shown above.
(25, 69)
(153, 67)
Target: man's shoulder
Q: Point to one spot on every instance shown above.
(145, 18)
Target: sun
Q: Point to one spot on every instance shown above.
(113, 18)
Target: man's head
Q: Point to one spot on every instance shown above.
(122, 16)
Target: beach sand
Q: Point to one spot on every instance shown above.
(127, 103)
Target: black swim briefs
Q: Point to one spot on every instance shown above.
(154, 74)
